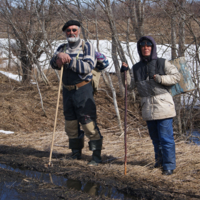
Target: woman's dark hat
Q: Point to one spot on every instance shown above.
(70, 23)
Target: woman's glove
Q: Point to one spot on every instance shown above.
(124, 67)
(157, 78)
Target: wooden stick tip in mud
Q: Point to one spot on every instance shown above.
(48, 165)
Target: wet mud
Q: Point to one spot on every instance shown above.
(73, 179)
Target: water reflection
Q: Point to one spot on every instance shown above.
(91, 188)
(195, 137)
(73, 184)
(7, 192)
(87, 187)
(96, 189)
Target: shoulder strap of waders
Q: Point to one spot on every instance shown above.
(65, 48)
(83, 44)
(64, 51)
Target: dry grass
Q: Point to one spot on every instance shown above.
(21, 112)
(140, 172)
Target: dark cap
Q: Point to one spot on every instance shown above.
(70, 23)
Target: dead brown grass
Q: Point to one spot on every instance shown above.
(21, 112)
(184, 183)
(21, 107)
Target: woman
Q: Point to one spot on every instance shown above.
(152, 77)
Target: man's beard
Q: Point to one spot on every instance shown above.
(73, 39)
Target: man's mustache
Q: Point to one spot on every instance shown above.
(72, 35)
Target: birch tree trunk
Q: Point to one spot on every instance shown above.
(117, 67)
(174, 56)
(105, 79)
(116, 46)
(9, 50)
(136, 11)
(181, 51)
(81, 17)
(96, 26)
(173, 36)
(115, 103)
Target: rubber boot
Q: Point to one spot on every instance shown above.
(95, 146)
(76, 154)
(76, 145)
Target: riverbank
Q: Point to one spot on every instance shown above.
(141, 180)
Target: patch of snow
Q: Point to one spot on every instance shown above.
(6, 132)
(12, 76)
(15, 77)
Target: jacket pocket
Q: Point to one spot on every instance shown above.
(167, 101)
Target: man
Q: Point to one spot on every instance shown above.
(78, 101)
(153, 76)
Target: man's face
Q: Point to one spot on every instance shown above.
(146, 47)
(72, 33)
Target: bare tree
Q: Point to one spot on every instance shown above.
(173, 14)
(136, 10)
(28, 22)
(184, 27)
(115, 103)
(75, 12)
(116, 45)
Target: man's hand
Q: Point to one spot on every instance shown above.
(62, 58)
(124, 67)
(157, 78)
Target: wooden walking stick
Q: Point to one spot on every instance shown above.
(125, 102)
(61, 74)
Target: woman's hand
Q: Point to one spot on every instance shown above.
(157, 78)
(124, 67)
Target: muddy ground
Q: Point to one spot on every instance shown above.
(28, 149)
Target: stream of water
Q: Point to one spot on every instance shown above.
(8, 192)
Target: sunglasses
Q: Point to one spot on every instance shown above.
(73, 30)
(147, 43)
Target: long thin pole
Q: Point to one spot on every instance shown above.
(55, 122)
(125, 143)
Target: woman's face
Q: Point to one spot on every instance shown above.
(146, 47)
